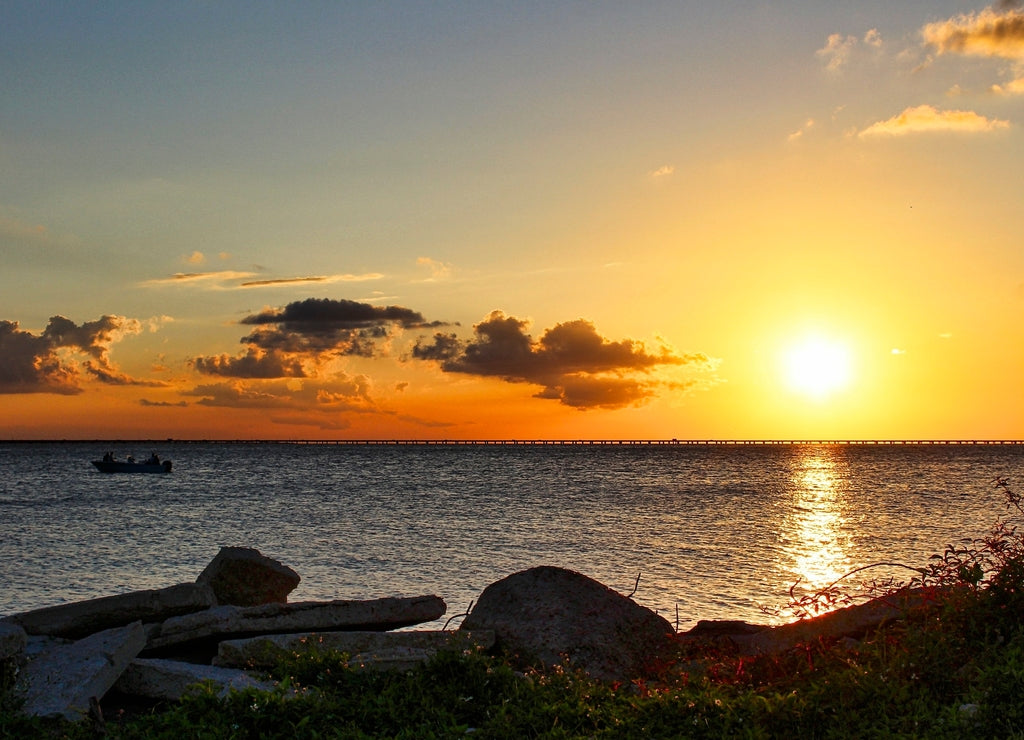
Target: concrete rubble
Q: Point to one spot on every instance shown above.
(67, 657)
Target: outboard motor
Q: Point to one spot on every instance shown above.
(167, 466)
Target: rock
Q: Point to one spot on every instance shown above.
(368, 649)
(61, 682)
(242, 576)
(81, 618)
(155, 678)
(851, 621)
(546, 614)
(223, 622)
(13, 639)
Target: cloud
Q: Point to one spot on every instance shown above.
(346, 278)
(798, 134)
(290, 342)
(925, 118)
(337, 394)
(327, 325)
(53, 361)
(438, 270)
(1014, 87)
(664, 171)
(836, 51)
(253, 364)
(213, 279)
(992, 32)
(571, 361)
(235, 280)
(196, 258)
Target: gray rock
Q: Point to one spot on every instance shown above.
(852, 621)
(242, 576)
(12, 641)
(380, 649)
(223, 622)
(155, 678)
(81, 618)
(547, 614)
(60, 683)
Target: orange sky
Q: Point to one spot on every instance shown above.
(591, 222)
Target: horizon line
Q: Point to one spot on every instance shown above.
(526, 442)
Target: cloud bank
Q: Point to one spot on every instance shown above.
(56, 360)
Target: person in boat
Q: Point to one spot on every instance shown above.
(153, 460)
(108, 457)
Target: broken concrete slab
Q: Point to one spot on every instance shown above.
(224, 622)
(363, 647)
(243, 576)
(60, 682)
(81, 618)
(13, 639)
(155, 678)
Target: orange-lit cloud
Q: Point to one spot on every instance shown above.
(926, 118)
(54, 361)
(991, 32)
(253, 364)
(340, 393)
(438, 270)
(231, 279)
(1014, 87)
(839, 49)
(572, 362)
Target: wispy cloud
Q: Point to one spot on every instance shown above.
(664, 171)
(235, 280)
(438, 270)
(926, 118)
(839, 49)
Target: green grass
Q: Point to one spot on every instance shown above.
(953, 669)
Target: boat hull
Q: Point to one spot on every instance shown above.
(132, 467)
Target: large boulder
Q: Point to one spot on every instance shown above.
(242, 576)
(81, 618)
(548, 614)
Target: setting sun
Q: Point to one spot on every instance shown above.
(816, 367)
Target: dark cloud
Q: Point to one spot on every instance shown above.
(325, 325)
(572, 362)
(308, 329)
(253, 364)
(46, 363)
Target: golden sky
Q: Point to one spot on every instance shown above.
(596, 220)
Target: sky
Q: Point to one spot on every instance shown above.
(461, 220)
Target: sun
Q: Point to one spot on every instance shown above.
(816, 367)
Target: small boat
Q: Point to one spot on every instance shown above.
(153, 465)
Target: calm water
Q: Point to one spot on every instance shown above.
(714, 532)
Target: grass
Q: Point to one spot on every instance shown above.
(951, 669)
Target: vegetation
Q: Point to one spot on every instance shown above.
(953, 667)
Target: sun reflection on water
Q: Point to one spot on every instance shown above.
(815, 536)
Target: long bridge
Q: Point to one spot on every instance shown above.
(543, 442)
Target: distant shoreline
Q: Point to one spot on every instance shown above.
(529, 442)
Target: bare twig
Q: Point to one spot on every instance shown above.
(456, 616)
(635, 587)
